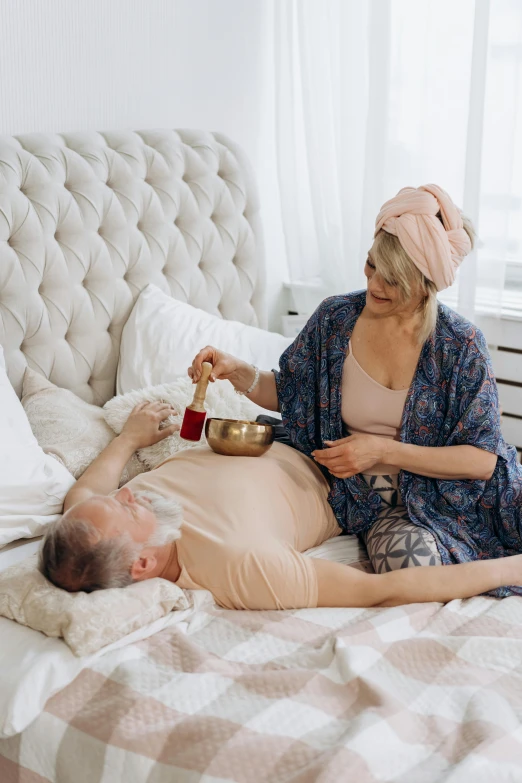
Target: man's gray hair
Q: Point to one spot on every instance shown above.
(75, 557)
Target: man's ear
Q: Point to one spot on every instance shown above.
(124, 494)
(143, 567)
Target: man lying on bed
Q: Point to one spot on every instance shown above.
(245, 524)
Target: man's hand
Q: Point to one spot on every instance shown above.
(354, 454)
(142, 428)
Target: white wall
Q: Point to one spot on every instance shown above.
(103, 64)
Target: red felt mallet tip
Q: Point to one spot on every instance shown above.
(195, 414)
(193, 422)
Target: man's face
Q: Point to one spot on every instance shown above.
(118, 513)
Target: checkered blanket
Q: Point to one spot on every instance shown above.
(413, 694)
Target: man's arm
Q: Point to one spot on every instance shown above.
(340, 585)
(103, 475)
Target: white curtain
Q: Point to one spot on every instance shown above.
(376, 95)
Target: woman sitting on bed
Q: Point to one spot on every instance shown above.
(236, 526)
(394, 397)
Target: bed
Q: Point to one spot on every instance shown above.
(413, 694)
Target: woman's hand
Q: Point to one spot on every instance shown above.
(225, 367)
(354, 454)
(142, 428)
(241, 375)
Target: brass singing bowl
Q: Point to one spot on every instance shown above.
(235, 438)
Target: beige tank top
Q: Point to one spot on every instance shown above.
(370, 408)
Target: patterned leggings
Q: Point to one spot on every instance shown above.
(393, 541)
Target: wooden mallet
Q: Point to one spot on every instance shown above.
(195, 413)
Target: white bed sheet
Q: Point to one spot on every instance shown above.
(18, 551)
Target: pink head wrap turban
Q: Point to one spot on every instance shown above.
(436, 248)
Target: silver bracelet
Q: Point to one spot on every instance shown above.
(254, 383)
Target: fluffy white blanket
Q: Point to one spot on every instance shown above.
(221, 401)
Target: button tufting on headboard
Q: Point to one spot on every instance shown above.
(87, 220)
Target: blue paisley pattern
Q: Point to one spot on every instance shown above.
(453, 400)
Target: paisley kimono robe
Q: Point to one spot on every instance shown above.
(452, 401)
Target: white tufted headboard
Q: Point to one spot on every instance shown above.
(87, 220)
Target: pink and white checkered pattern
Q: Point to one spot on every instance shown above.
(414, 694)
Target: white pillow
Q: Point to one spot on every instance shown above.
(33, 485)
(162, 336)
(86, 621)
(69, 429)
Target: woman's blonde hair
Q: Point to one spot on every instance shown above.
(397, 269)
